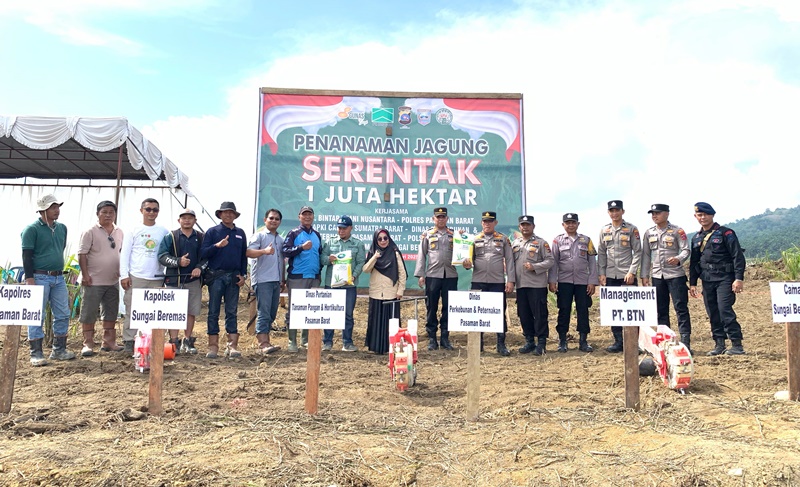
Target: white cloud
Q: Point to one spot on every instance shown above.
(617, 105)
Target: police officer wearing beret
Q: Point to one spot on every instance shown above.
(718, 259)
(666, 248)
(532, 259)
(573, 277)
(618, 256)
(492, 260)
(437, 275)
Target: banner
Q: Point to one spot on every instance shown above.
(387, 161)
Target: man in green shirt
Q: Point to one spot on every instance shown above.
(43, 244)
(343, 246)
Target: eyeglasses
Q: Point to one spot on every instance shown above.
(383, 239)
(273, 218)
(113, 243)
(151, 210)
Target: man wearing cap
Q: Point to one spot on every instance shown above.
(98, 257)
(573, 277)
(43, 244)
(267, 276)
(225, 248)
(138, 262)
(618, 256)
(343, 246)
(179, 252)
(718, 259)
(302, 246)
(532, 260)
(437, 276)
(665, 250)
(492, 260)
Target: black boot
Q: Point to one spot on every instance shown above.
(719, 349)
(445, 341)
(736, 348)
(583, 344)
(530, 344)
(541, 347)
(686, 339)
(432, 345)
(37, 357)
(617, 346)
(60, 351)
(501, 345)
(562, 343)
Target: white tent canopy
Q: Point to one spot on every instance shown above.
(82, 148)
(83, 161)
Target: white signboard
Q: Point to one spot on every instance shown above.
(21, 305)
(628, 306)
(785, 302)
(475, 311)
(317, 309)
(159, 309)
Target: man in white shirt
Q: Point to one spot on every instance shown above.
(139, 264)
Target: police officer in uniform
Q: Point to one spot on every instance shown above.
(666, 248)
(492, 259)
(532, 259)
(718, 259)
(437, 275)
(573, 276)
(618, 256)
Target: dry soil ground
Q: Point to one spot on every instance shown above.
(553, 420)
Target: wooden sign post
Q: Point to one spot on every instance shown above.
(786, 309)
(20, 305)
(475, 312)
(629, 307)
(315, 310)
(153, 311)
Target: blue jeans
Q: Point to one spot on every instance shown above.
(349, 306)
(55, 291)
(268, 296)
(225, 287)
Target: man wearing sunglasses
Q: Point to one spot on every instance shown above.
(267, 276)
(98, 256)
(139, 263)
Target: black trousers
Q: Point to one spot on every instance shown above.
(719, 299)
(532, 311)
(567, 292)
(495, 288)
(677, 289)
(613, 282)
(435, 288)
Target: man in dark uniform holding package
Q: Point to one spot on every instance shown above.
(492, 260)
(718, 259)
(532, 259)
(437, 276)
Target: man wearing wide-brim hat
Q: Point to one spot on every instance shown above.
(225, 248)
(43, 244)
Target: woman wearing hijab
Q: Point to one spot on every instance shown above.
(386, 284)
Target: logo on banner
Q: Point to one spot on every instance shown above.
(350, 114)
(444, 116)
(424, 116)
(382, 115)
(404, 116)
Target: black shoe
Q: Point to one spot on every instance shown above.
(432, 345)
(562, 345)
(502, 350)
(528, 347)
(616, 347)
(736, 348)
(445, 344)
(540, 348)
(719, 349)
(583, 344)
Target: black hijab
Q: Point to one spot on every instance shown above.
(387, 262)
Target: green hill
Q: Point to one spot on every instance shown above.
(769, 233)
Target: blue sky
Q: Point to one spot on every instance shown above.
(670, 101)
